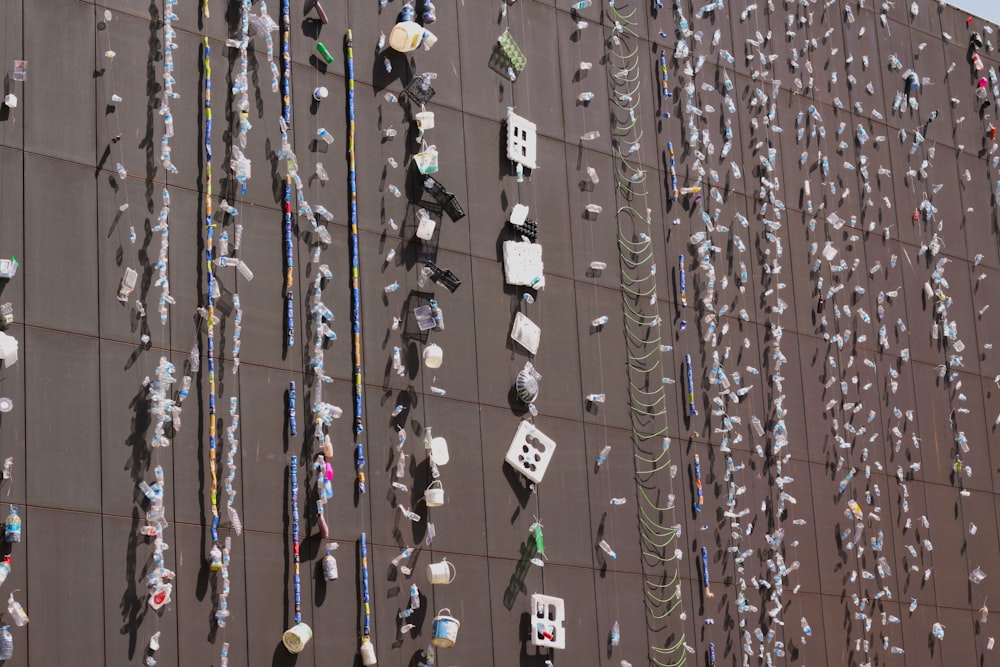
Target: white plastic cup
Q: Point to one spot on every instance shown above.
(320, 93)
(433, 356)
(296, 637)
(368, 654)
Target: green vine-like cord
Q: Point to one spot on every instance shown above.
(633, 357)
(648, 405)
(671, 664)
(660, 617)
(670, 649)
(653, 471)
(647, 436)
(627, 95)
(624, 17)
(650, 501)
(641, 341)
(639, 314)
(638, 294)
(638, 283)
(653, 544)
(646, 371)
(668, 600)
(648, 243)
(667, 530)
(668, 584)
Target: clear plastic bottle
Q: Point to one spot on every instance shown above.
(4, 569)
(330, 563)
(595, 398)
(12, 526)
(602, 457)
(615, 634)
(590, 136)
(414, 597)
(16, 611)
(606, 548)
(6, 643)
(600, 321)
(324, 135)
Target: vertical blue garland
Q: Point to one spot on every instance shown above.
(286, 113)
(366, 631)
(359, 455)
(294, 474)
(210, 310)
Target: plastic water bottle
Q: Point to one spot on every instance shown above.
(6, 643)
(595, 398)
(330, 563)
(615, 634)
(590, 136)
(12, 526)
(16, 611)
(602, 457)
(324, 135)
(600, 321)
(585, 97)
(437, 314)
(606, 548)
(414, 597)
(581, 4)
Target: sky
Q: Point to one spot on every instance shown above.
(987, 9)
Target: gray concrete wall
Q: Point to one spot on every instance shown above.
(80, 429)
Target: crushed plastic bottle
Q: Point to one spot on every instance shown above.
(16, 611)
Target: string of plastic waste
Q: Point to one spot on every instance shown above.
(286, 115)
(293, 471)
(241, 89)
(210, 308)
(359, 454)
(366, 612)
(162, 279)
(638, 271)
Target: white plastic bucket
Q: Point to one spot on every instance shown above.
(425, 120)
(296, 637)
(434, 494)
(441, 573)
(433, 356)
(445, 629)
(427, 161)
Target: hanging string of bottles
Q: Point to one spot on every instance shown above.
(162, 274)
(647, 399)
(359, 427)
(210, 299)
(367, 647)
(293, 471)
